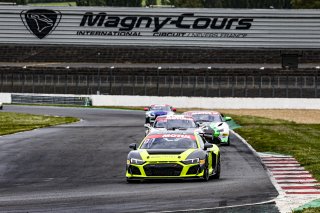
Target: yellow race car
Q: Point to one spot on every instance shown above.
(173, 155)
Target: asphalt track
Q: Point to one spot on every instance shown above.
(81, 168)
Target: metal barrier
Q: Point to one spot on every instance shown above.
(39, 99)
(191, 83)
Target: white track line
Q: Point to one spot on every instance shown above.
(277, 172)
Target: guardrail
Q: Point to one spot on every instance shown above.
(43, 99)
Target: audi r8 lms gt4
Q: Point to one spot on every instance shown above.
(172, 122)
(154, 111)
(173, 155)
(212, 121)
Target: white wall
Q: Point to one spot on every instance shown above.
(5, 98)
(194, 102)
(209, 103)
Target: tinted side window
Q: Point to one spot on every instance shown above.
(201, 142)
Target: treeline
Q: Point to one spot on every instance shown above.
(276, 4)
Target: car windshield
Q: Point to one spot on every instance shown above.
(206, 118)
(169, 143)
(160, 108)
(175, 124)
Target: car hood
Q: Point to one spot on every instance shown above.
(165, 154)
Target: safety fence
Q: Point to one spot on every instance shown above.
(169, 82)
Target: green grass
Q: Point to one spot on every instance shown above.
(309, 210)
(56, 4)
(11, 122)
(299, 140)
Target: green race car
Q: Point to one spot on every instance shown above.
(173, 155)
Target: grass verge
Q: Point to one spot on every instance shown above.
(308, 210)
(11, 122)
(299, 140)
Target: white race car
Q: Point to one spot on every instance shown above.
(212, 121)
(172, 122)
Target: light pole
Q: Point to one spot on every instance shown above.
(99, 79)
(66, 81)
(24, 77)
(260, 84)
(316, 82)
(207, 79)
(110, 80)
(158, 80)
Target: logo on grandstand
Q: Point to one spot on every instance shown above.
(40, 22)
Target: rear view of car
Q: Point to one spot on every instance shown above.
(154, 111)
(172, 155)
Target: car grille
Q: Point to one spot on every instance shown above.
(134, 170)
(193, 170)
(163, 169)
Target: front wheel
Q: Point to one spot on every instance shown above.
(218, 169)
(206, 175)
(228, 142)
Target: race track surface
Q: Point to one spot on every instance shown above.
(81, 167)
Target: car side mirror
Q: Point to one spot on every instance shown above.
(227, 118)
(148, 126)
(145, 109)
(133, 146)
(174, 109)
(207, 146)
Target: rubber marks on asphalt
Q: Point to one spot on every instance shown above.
(290, 175)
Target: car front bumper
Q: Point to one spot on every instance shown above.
(161, 170)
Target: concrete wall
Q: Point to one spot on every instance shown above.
(5, 98)
(208, 103)
(194, 102)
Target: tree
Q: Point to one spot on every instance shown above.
(187, 3)
(115, 3)
(306, 4)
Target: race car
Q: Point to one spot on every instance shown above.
(172, 122)
(173, 155)
(1, 106)
(154, 111)
(212, 121)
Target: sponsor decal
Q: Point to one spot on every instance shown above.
(170, 136)
(174, 118)
(130, 25)
(40, 22)
(204, 113)
(177, 136)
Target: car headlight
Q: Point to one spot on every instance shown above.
(191, 161)
(220, 130)
(136, 161)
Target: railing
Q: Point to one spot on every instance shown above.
(54, 100)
